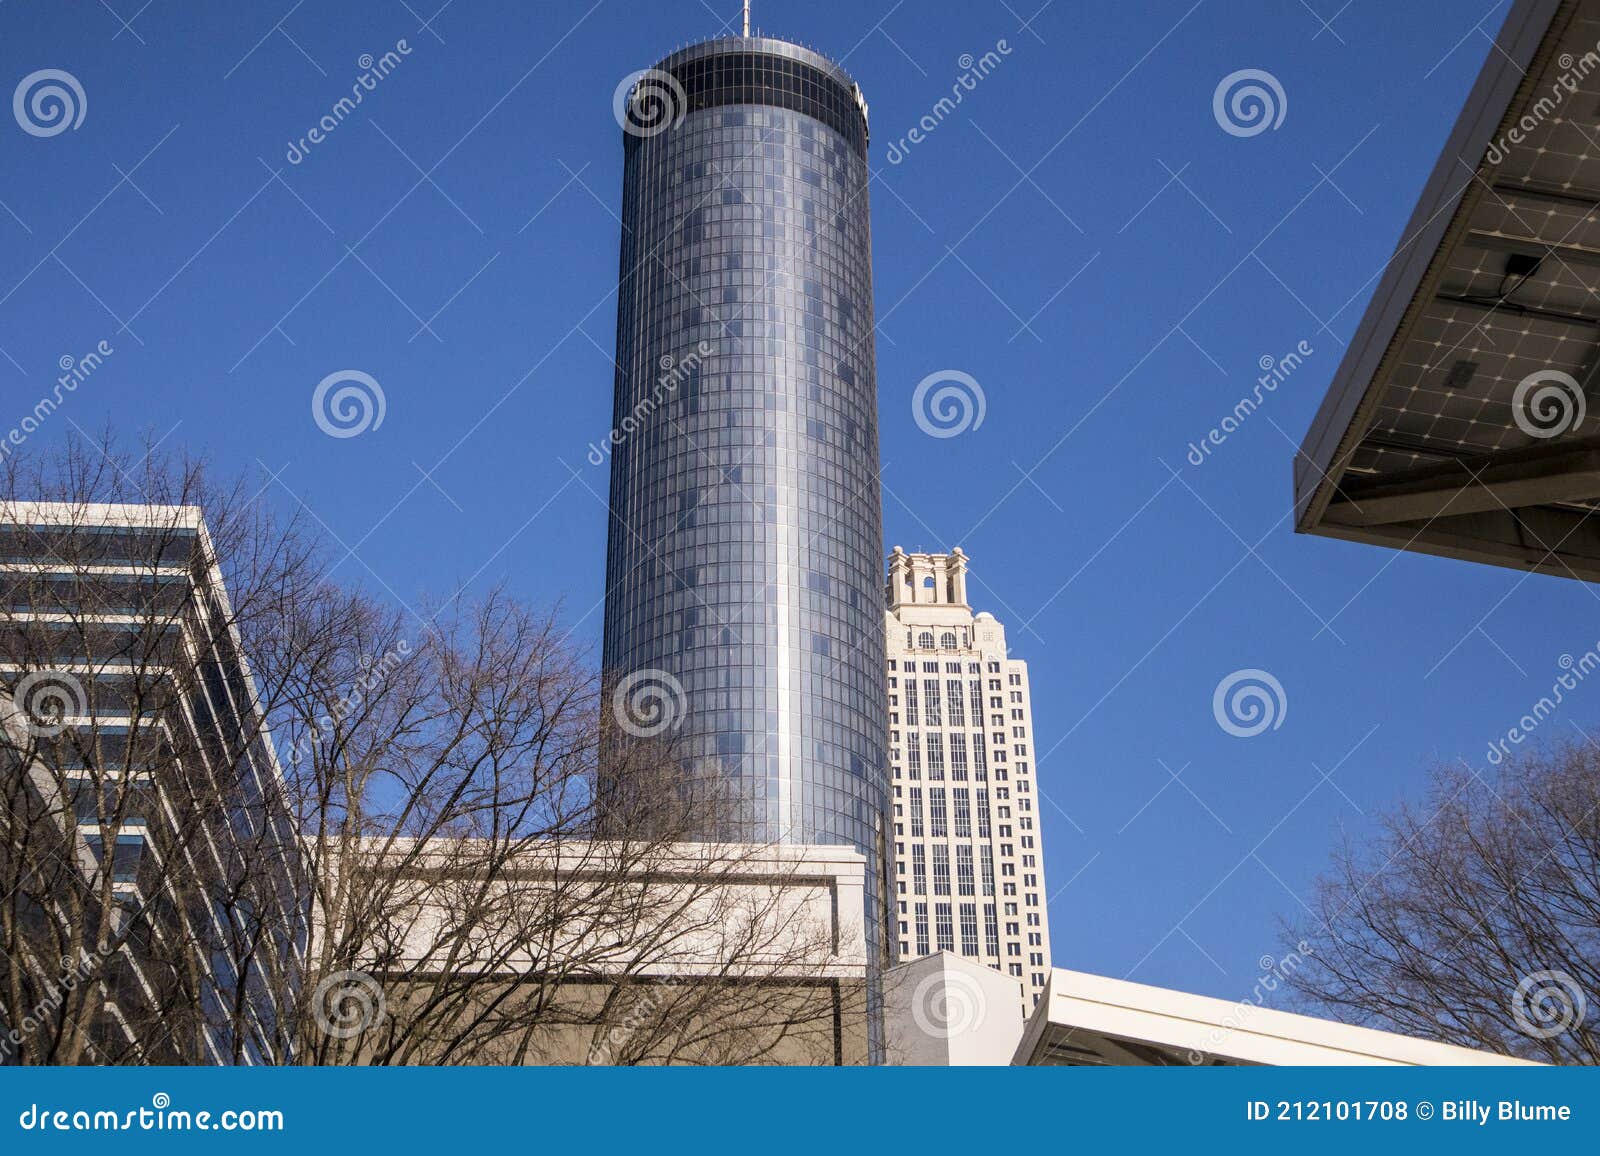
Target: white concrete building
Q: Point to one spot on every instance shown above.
(969, 874)
(140, 785)
(1095, 1021)
(945, 1011)
(604, 952)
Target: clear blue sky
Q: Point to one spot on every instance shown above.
(1080, 235)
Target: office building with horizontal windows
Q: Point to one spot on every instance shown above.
(148, 863)
(969, 868)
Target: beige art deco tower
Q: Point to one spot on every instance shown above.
(969, 875)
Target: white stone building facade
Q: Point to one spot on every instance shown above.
(968, 862)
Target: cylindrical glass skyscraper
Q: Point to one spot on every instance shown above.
(746, 529)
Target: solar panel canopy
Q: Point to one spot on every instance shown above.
(1464, 419)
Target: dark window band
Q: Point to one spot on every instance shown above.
(761, 78)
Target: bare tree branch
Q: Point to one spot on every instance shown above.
(1473, 918)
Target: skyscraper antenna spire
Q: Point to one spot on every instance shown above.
(747, 17)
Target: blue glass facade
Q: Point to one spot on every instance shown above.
(746, 540)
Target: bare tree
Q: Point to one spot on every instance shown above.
(1473, 918)
(136, 774)
(359, 834)
(510, 904)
